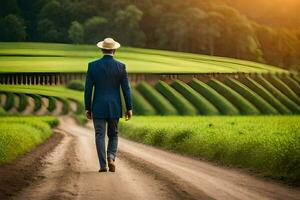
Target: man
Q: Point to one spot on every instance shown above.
(107, 76)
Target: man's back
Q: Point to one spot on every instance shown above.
(106, 75)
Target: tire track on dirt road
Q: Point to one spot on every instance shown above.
(71, 172)
(143, 172)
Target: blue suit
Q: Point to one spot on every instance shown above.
(106, 75)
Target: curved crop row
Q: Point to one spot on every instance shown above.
(203, 105)
(223, 105)
(51, 103)
(296, 78)
(163, 106)
(66, 105)
(183, 106)
(141, 105)
(263, 106)
(37, 101)
(244, 106)
(281, 86)
(294, 85)
(284, 99)
(9, 103)
(266, 95)
(23, 102)
(79, 108)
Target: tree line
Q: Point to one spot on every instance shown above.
(206, 27)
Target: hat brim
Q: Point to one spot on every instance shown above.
(116, 46)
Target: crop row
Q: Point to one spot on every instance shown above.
(269, 145)
(248, 96)
(21, 134)
(38, 104)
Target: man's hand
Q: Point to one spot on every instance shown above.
(88, 114)
(128, 115)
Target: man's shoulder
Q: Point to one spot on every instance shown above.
(119, 63)
(93, 62)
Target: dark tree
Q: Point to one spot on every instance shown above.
(12, 28)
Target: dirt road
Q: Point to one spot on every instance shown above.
(142, 172)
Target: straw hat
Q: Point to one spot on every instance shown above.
(108, 43)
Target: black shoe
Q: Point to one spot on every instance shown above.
(103, 170)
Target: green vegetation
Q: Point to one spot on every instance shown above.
(279, 95)
(292, 84)
(269, 145)
(203, 105)
(55, 91)
(37, 101)
(10, 102)
(224, 106)
(296, 78)
(280, 85)
(21, 134)
(23, 101)
(81, 119)
(244, 106)
(161, 105)
(76, 85)
(2, 111)
(183, 106)
(45, 57)
(62, 93)
(233, 34)
(263, 106)
(80, 108)
(141, 105)
(66, 106)
(51, 103)
(266, 95)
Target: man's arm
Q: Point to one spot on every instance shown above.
(88, 89)
(126, 92)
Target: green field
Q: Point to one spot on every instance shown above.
(56, 91)
(21, 134)
(53, 94)
(214, 97)
(269, 145)
(50, 57)
(247, 96)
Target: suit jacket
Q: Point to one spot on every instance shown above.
(106, 75)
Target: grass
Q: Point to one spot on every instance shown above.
(279, 84)
(10, 102)
(263, 106)
(183, 106)
(55, 91)
(278, 94)
(62, 93)
(158, 101)
(21, 134)
(269, 145)
(223, 105)
(51, 103)
(292, 84)
(51, 57)
(266, 95)
(141, 105)
(37, 101)
(244, 106)
(23, 101)
(81, 119)
(203, 105)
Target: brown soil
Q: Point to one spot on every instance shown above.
(70, 171)
(24, 171)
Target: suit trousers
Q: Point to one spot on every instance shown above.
(101, 125)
